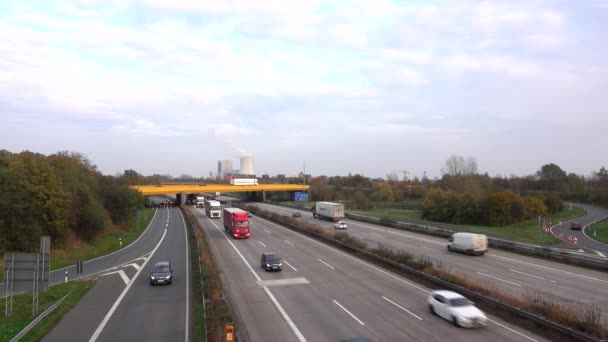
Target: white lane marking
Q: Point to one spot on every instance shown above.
(187, 336)
(293, 326)
(380, 270)
(328, 265)
(135, 266)
(348, 312)
(600, 254)
(512, 330)
(282, 282)
(120, 250)
(261, 243)
(289, 242)
(529, 275)
(288, 264)
(432, 249)
(124, 292)
(167, 225)
(359, 261)
(267, 230)
(506, 281)
(121, 273)
(402, 308)
(494, 255)
(276, 303)
(549, 268)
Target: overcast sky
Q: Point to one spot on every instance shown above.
(360, 86)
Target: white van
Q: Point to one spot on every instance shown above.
(468, 243)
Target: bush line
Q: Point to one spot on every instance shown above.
(581, 318)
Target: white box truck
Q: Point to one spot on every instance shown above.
(200, 201)
(468, 243)
(213, 209)
(328, 210)
(244, 181)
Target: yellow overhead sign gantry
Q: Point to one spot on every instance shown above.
(164, 189)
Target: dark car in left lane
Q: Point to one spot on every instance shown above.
(162, 273)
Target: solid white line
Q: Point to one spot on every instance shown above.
(382, 271)
(549, 268)
(124, 292)
(289, 242)
(267, 230)
(506, 281)
(328, 265)
(135, 266)
(121, 273)
(529, 275)
(276, 303)
(187, 336)
(432, 249)
(402, 308)
(167, 225)
(261, 243)
(293, 326)
(358, 260)
(600, 254)
(348, 312)
(288, 264)
(518, 333)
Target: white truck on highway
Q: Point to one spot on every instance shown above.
(213, 209)
(328, 210)
(200, 201)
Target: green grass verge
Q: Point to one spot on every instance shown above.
(198, 316)
(599, 231)
(526, 231)
(22, 310)
(104, 244)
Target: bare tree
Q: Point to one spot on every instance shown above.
(458, 166)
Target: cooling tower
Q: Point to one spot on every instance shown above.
(247, 165)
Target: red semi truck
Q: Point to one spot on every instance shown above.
(236, 223)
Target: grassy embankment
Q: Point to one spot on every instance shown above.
(526, 231)
(105, 243)
(599, 231)
(22, 310)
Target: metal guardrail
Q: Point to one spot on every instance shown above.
(548, 252)
(519, 247)
(480, 297)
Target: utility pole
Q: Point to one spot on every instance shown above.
(304, 173)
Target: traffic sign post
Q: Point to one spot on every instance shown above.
(230, 332)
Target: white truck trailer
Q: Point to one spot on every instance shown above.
(328, 210)
(213, 209)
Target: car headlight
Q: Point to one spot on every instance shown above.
(152, 277)
(267, 265)
(281, 264)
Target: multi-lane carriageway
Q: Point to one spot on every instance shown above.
(510, 272)
(324, 294)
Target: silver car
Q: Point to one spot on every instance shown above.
(340, 225)
(456, 309)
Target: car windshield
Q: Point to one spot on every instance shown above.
(161, 269)
(459, 302)
(241, 223)
(272, 257)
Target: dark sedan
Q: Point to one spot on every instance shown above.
(162, 273)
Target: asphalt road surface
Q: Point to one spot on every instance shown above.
(123, 306)
(509, 272)
(324, 294)
(582, 237)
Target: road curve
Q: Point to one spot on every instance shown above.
(594, 214)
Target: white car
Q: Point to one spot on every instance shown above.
(456, 309)
(340, 225)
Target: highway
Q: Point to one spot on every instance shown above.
(583, 239)
(510, 272)
(123, 306)
(324, 294)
